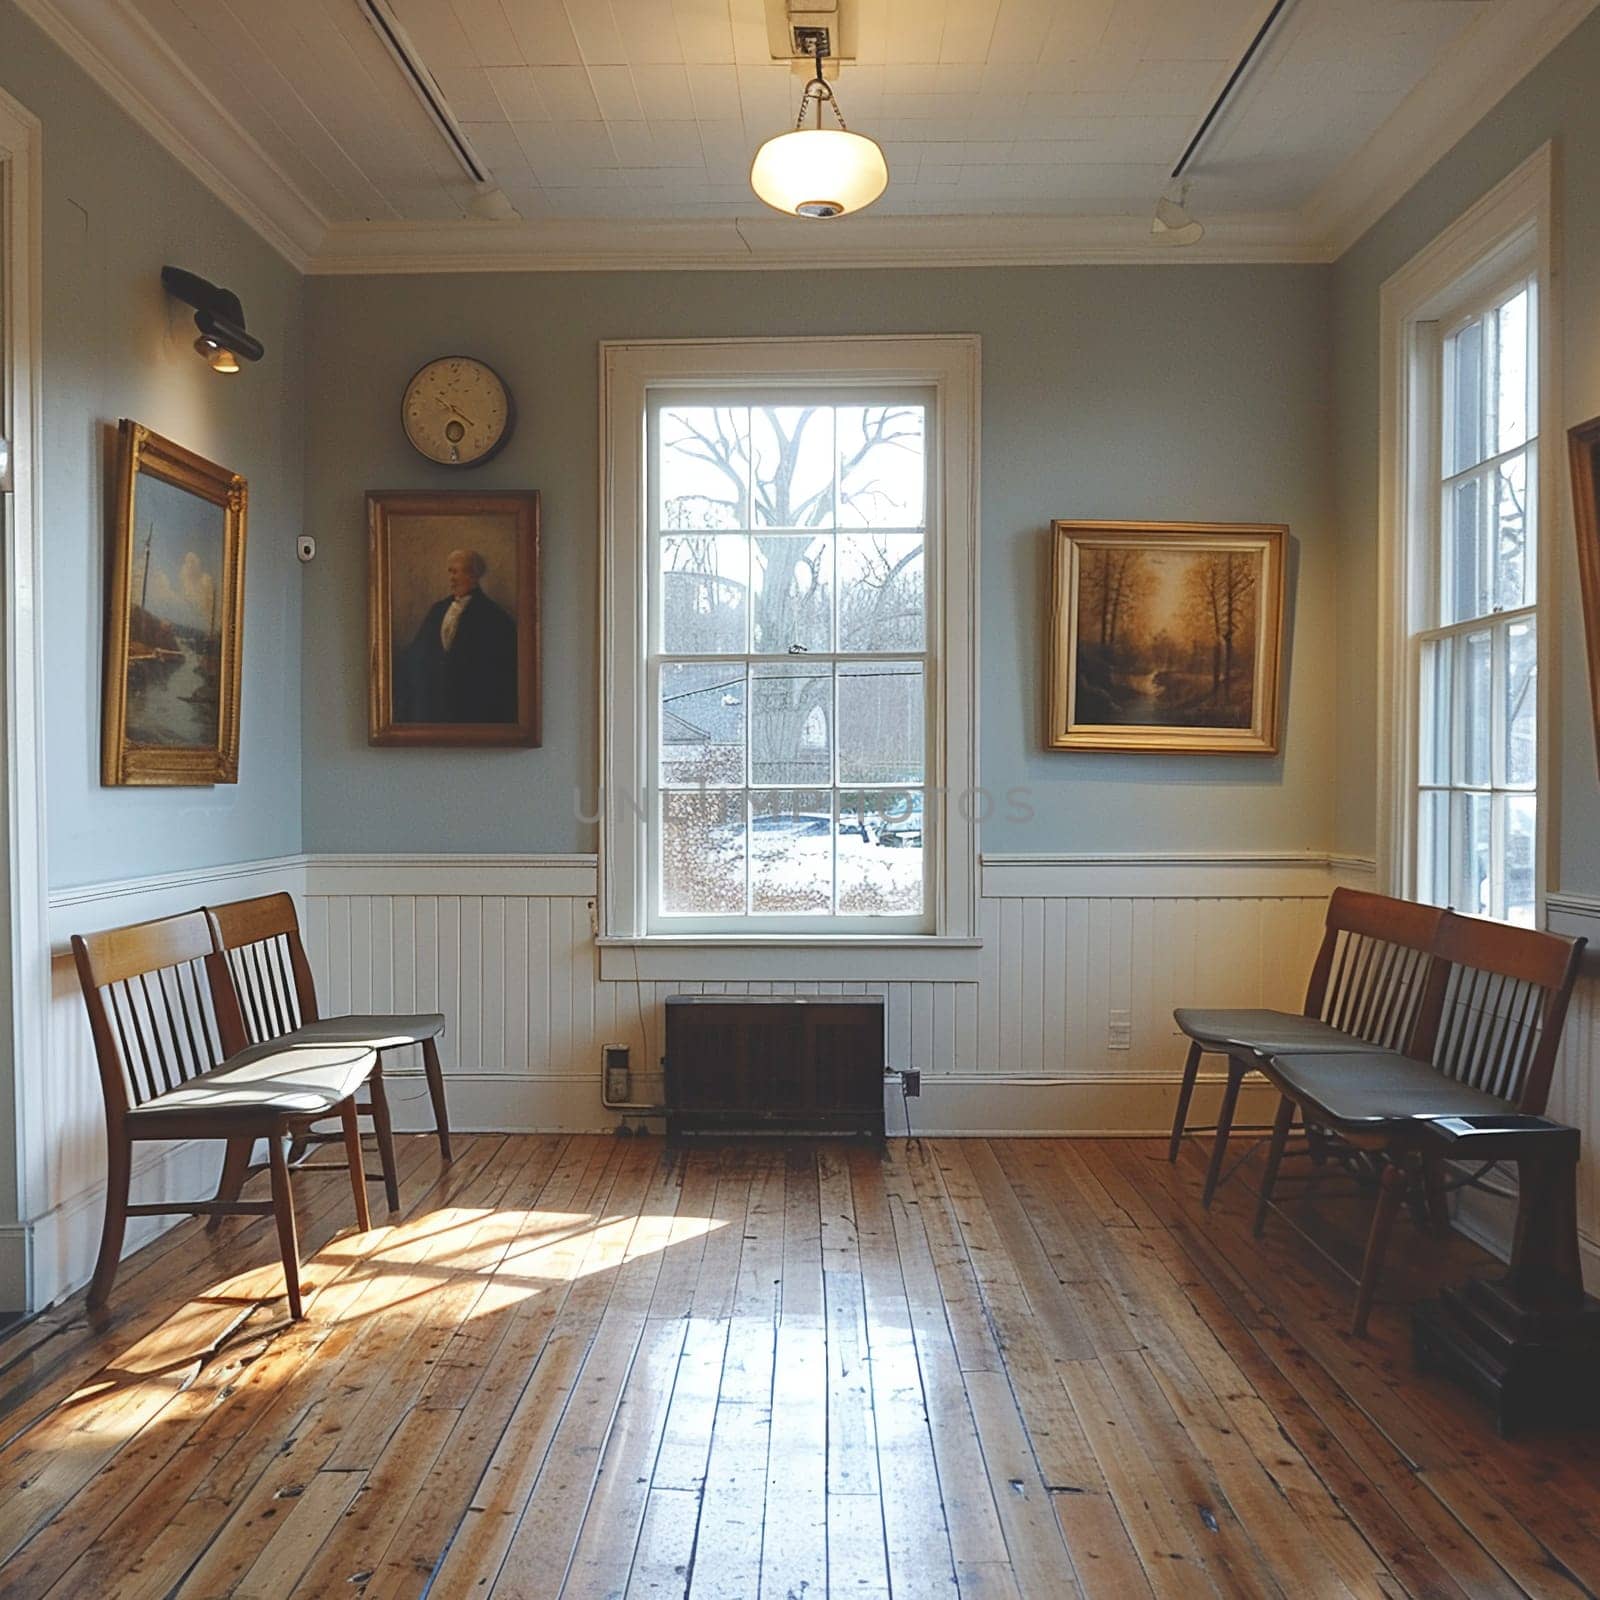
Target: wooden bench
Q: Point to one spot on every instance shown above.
(1366, 988)
(175, 1063)
(1483, 1045)
(278, 1001)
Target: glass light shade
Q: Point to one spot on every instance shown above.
(819, 172)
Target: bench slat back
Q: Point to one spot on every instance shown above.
(263, 948)
(1502, 1007)
(156, 1015)
(1372, 972)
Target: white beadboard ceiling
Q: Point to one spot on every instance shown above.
(602, 117)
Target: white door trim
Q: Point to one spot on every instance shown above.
(24, 926)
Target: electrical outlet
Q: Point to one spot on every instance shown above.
(1119, 1030)
(911, 1082)
(594, 921)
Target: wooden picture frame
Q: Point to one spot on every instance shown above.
(175, 617)
(454, 642)
(1166, 637)
(1583, 451)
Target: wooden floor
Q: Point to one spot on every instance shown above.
(588, 1367)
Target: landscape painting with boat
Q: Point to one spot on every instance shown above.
(174, 619)
(172, 680)
(1167, 637)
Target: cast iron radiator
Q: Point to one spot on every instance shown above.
(775, 1064)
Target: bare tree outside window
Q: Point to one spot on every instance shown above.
(791, 551)
(1477, 757)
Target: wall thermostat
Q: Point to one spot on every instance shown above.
(305, 547)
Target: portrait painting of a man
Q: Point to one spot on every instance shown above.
(454, 614)
(461, 665)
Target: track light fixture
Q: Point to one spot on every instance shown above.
(1172, 223)
(218, 315)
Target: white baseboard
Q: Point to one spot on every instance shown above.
(64, 1242)
(976, 1104)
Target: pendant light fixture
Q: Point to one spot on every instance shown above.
(817, 171)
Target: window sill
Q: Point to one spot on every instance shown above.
(756, 958)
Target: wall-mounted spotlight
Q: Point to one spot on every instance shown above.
(220, 318)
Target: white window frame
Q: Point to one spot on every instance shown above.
(629, 370)
(1505, 238)
(25, 992)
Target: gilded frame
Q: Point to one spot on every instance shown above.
(125, 762)
(1065, 730)
(384, 508)
(1583, 450)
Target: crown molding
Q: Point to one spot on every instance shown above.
(113, 43)
(148, 80)
(1483, 66)
(763, 244)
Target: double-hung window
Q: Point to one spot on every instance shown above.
(789, 692)
(1466, 342)
(1478, 655)
(790, 654)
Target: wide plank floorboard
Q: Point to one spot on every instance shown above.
(604, 1368)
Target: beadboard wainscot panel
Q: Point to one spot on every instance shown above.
(505, 947)
(1574, 1098)
(65, 1202)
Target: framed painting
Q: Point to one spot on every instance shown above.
(1583, 448)
(1166, 636)
(176, 616)
(454, 618)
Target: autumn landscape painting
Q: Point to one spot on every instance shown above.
(1166, 638)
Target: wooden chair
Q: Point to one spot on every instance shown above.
(278, 1000)
(167, 1039)
(1485, 1043)
(1366, 987)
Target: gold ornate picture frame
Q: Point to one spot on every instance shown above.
(453, 618)
(1583, 451)
(175, 616)
(1166, 637)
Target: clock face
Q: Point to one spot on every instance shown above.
(457, 411)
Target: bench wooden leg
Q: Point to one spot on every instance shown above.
(1280, 1137)
(352, 1150)
(1191, 1070)
(119, 1166)
(1438, 1201)
(385, 1133)
(235, 1168)
(441, 1113)
(1219, 1146)
(1391, 1192)
(283, 1212)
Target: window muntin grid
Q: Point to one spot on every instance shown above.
(791, 581)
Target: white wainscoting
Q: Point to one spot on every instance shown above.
(1574, 1094)
(1070, 944)
(64, 1162)
(505, 947)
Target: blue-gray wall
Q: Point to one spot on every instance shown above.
(1557, 101)
(1148, 392)
(115, 209)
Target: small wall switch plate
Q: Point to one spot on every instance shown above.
(306, 547)
(1119, 1030)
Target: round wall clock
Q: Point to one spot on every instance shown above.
(457, 411)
